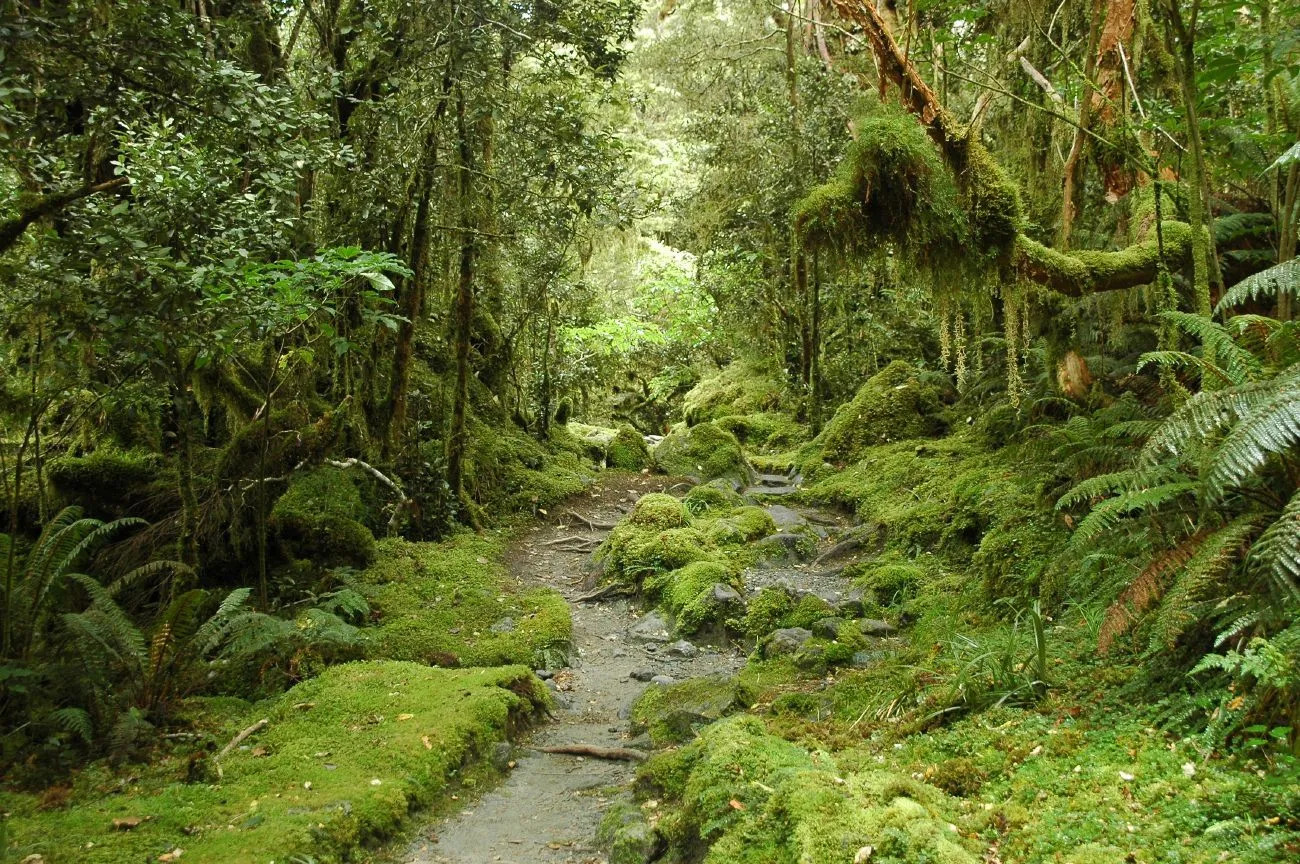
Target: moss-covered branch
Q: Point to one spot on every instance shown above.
(1076, 274)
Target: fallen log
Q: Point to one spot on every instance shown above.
(624, 754)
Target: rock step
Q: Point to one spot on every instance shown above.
(771, 490)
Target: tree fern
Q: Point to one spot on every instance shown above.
(74, 720)
(1204, 414)
(1238, 364)
(1116, 482)
(1174, 360)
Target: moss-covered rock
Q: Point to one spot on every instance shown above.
(672, 713)
(705, 452)
(319, 518)
(743, 387)
(660, 512)
(104, 480)
(741, 525)
(766, 611)
(712, 497)
(689, 594)
(768, 432)
(626, 835)
(894, 405)
(627, 451)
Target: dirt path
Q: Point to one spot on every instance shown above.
(549, 806)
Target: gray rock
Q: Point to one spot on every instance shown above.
(642, 675)
(663, 680)
(723, 593)
(505, 625)
(811, 658)
(789, 640)
(876, 627)
(850, 605)
(626, 835)
(682, 648)
(827, 628)
(501, 753)
(544, 674)
(784, 517)
(651, 628)
(866, 659)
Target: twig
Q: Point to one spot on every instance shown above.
(242, 736)
(571, 540)
(621, 753)
(403, 503)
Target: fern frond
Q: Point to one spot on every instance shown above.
(144, 571)
(74, 720)
(210, 633)
(250, 633)
(1281, 278)
(1116, 482)
(1277, 552)
(1202, 415)
(1214, 557)
(1107, 515)
(1273, 427)
(1238, 364)
(96, 536)
(1182, 360)
(1143, 592)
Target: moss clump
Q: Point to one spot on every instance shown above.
(766, 611)
(893, 405)
(742, 525)
(688, 593)
(453, 604)
(767, 432)
(660, 512)
(627, 451)
(319, 518)
(743, 387)
(716, 495)
(752, 797)
(891, 579)
(104, 480)
(671, 713)
(705, 451)
(344, 760)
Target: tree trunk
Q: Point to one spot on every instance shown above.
(463, 312)
(1073, 178)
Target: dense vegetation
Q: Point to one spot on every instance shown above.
(307, 304)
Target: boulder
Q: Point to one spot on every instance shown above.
(786, 641)
(651, 628)
(827, 628)
(876, 628)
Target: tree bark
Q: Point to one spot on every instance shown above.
(1073, 174)
(463, 313)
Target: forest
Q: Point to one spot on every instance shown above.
(629, 431)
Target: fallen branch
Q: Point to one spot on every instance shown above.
(574, 539)
(403, 501)
(621, 753)
(242, 736)
(591, 523)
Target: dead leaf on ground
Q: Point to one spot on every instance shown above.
(428, 745)
(405, 716)
(127, 823)
(173, 855)
(736, 805)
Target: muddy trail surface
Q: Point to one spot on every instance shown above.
(548, 807)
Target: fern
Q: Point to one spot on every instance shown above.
(1143, 592)
(1173, 360)
(1272, 428)
(74, 720)
(1204, 414)
(1116, 482)
(211, 632)
(1214, 556)
(1281, 278)
(1277, 552)
(1108, 514)
(1238, 364)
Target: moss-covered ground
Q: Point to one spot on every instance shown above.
(344, 759)
(346, 756)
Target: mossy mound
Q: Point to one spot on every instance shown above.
(705, 452)
(741, 525)
(319, 518)
(894, 405)
(105, 480)
(660, 511)
(453, 604)
(627, 450)
(768, 432)
(672, 713)
(743, 387)
(716, 495)
(508, 473)
(344, 759)
(688, 593)
(754, 798)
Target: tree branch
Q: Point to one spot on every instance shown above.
(12, 229)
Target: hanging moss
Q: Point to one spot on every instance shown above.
(891, 186)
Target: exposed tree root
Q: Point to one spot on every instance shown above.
(620, 753)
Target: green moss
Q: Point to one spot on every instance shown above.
(743, 387)
(348, 756)
(765, 431)
(103, 473)
(808, 609)
(319, 518)
(671, 713)
(688, 593)
(740, 526)
(439, 603)
(704, 451)
(766, 611)
(659, 511)
(716, 495)
(1078, 274)
(627, 451)
(892, 405)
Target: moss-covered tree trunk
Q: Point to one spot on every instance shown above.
(463, 309)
